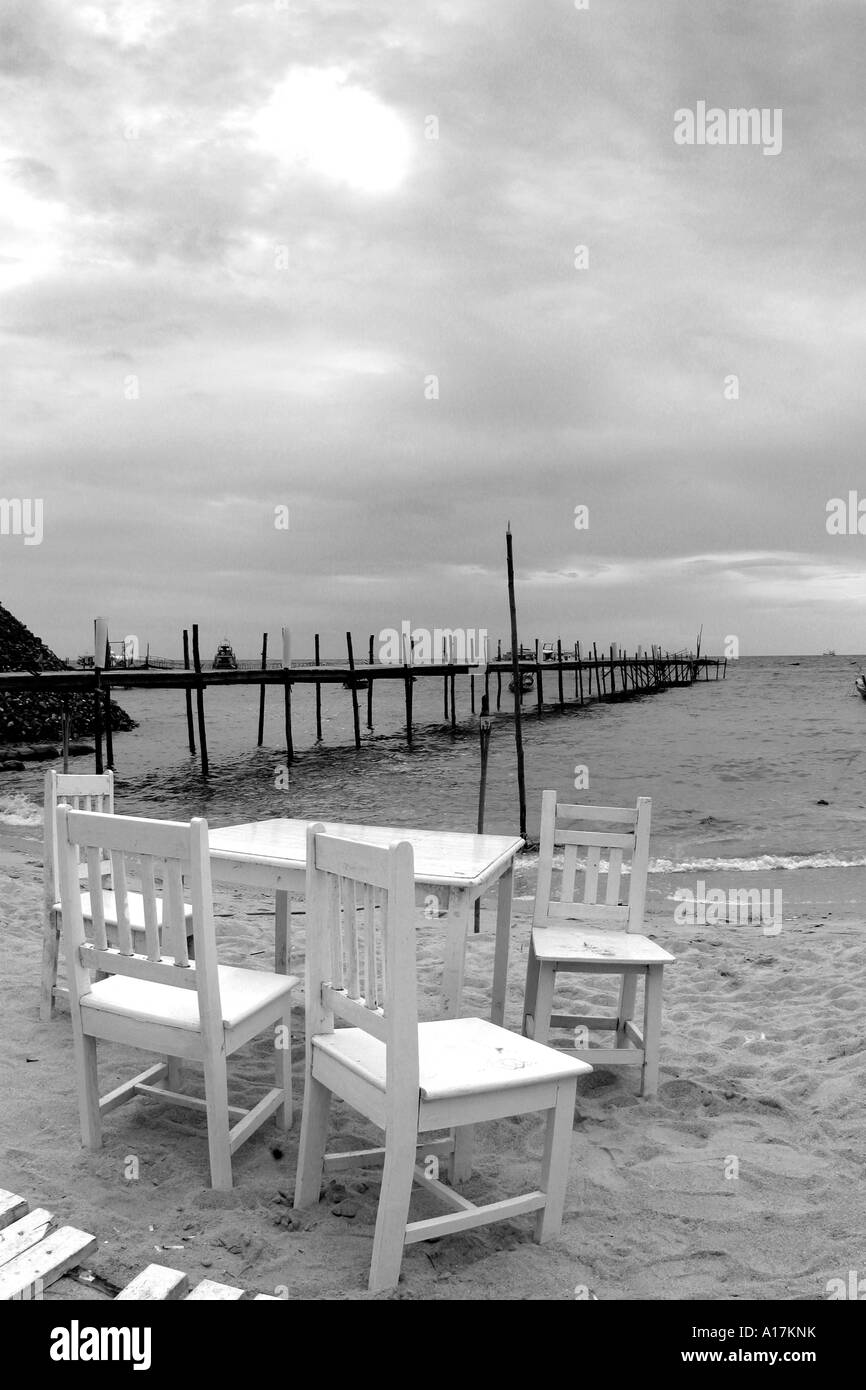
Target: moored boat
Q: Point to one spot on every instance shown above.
(225, 659)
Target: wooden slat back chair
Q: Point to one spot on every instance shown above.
(586, 927)
(157, 998)
(407, 1078)
(83, 792)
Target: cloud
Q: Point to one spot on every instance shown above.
(239, 207)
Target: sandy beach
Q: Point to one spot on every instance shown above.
(741, 1179)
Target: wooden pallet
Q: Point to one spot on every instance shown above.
(35, 1252)
(157, 1282)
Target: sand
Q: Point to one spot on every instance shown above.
(741, 1179)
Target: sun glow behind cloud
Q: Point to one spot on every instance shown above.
(317, 120)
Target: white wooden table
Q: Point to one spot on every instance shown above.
(454, 867)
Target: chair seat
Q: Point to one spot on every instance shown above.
(242, 993)
(456, 1057)
(573, 944)
(136, 910)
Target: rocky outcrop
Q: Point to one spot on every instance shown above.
(32, 716)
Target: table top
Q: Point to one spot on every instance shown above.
(452, 857)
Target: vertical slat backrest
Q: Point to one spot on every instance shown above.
(360, 958)
(159, 854)
(597, 843)
(81, 791)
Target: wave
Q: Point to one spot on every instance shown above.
(18, 809)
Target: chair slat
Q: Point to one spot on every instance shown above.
(569, 868)
(385, 925)
(600, 839)
(121, 903)
(151, 917)
(614, 872)
(371, 985)
(352, 978)
(590, 878)
(173, 921)
(95, 889)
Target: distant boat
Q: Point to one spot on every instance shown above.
(357, 683)
(225, 659)
(548, 652)
(527, 681)
(828, 653)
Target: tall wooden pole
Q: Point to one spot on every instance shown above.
(261, 738)
(355, 718)
(370, 686)
(106, 695)
(190, 733)
(318, 695)
(515, 668)
(199, 701)
(287, 694)
(484, 729)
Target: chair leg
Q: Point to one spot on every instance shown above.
(88, 1090)
(530, 992)
(311, 1149)
(544, 1002)
(283, 1070)
(217, 1098)
(174, 1075)
(625, 1013)
(393, 1213)
(461, 1156)
(50, 955)
(554, 1171)
(652, 1030)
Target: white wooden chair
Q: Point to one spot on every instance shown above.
(594, 937)
(164, 1003)
(409, 1078)
(83, 792)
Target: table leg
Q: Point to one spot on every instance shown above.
(456, 927)
(503, 941)
(282, 931)
(456, 924)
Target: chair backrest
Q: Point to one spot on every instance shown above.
(360, 958)
(160, 855)
(583, 833)
(83, 792)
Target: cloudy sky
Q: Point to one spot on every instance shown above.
(232, 259)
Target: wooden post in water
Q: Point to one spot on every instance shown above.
(261, 737)
(445, 678)
(539, 684)
(65, 730)
(188, 693)
(453, 685)
(408, 653)
(515, 669)
(106, 688)
(471, 655)
(499, 675)
(559, 661)
(318, 691)
(287, 693)
(100, 647)
(579, 673)
(370, 686)
(484, 728)
(355, 719)
(613, 655)
(598, 687)
(199, 702)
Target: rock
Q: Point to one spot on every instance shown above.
(12, 765)
(81, 750)
(347, 1209)
(41, 752)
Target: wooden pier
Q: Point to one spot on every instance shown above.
(569, 681)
